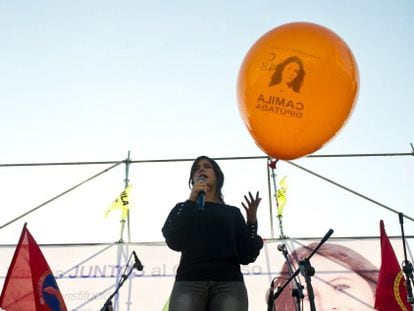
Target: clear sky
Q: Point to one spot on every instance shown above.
(92, 80)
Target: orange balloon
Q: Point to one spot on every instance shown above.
(296, 88)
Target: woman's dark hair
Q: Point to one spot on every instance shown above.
(217, 171)
(340, 254)
(296, 83)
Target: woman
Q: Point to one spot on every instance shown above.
(289, 74)
(344, 279)
(214, 240)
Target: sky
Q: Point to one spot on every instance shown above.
(90, 81)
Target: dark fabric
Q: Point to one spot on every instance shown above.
(208, 296)
(213, 241)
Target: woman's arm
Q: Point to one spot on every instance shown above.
(177, 227)
(250, 243)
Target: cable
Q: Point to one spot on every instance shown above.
(59, 195)
(348, 189)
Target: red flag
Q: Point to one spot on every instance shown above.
(30, 284)
(391, 293)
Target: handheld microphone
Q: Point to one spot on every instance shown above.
(138, 264)
(201, 198)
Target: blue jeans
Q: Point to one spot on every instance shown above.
(208, 296)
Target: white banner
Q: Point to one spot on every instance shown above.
(87, 274)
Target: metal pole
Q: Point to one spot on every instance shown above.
(272, 234)
(121, 249)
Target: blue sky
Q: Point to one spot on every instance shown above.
(89, 81)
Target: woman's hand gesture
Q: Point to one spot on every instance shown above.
(251, 207)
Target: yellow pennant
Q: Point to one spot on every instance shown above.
(121, 202)
(281, 196)
(167, 305)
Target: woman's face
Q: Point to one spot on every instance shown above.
(205, 170)
(342, 289)
(290, 72)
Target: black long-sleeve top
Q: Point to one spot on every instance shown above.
(213, 242)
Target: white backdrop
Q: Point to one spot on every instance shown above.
(87, 273)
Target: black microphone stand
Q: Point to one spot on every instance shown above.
(137, 265)
(407, 267)
(307, 271)
(297, 292)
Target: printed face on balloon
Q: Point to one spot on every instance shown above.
(297, 86)
(289, 74)
(283, 94)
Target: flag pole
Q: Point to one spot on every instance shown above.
(121, 250)
(272, 165)
(272, 233)
(123, 220)
(407, 266)
(127, 164)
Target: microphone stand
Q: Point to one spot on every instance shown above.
(407, 267)
(307, 271)
(137, 265)
(297, 291)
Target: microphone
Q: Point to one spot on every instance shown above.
(281, 247)
(138, 264)
(201, 198)
(327, 235)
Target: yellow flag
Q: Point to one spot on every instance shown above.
(121, 202)
(281, 196)
(167, 305)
